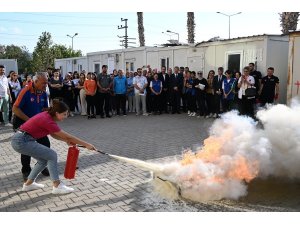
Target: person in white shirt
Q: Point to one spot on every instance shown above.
(15, 87)
(5, 97)
(246, 103)
(140, 83)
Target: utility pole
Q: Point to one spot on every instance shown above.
(126, 36)
(125, 40)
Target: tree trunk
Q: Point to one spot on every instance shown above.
(191, 27)
(289, 21)
(141, 29)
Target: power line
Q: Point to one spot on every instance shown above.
(59, 24)
(64, 16)
(37, 35)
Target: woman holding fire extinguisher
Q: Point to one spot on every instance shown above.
(24, 142)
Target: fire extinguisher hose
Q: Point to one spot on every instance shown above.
(104, 153)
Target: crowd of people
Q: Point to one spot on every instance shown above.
(149, 91)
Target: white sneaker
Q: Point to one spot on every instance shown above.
(215, 115)
(33, 186)
(189, 112)
(62, 189)
(145, 114)
(8, 125)
(193, 114)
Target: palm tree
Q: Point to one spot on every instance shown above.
(289, 21)
(141, 28)
(191, 27)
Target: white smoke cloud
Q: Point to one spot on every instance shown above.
(239, 150)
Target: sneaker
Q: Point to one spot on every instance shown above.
(215, 115)
(62, 189)
(33, 186)
(193, 114)
(8, 125)
(145, 114)
(189, 112)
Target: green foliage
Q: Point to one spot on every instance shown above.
(45, 52)
(61, 51)
(42, 57)
(20, 53)
(42, 54)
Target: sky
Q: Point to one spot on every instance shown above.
(98, 31)
(22, 22)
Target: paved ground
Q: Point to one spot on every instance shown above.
(103, 184)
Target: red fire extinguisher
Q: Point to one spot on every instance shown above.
(71, 163)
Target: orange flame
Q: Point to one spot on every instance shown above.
(240, 168)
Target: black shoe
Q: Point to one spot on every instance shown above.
(45, 172)
(93, 116)
(102, 116)
(108, 116)
(25, 175)
(89, 117)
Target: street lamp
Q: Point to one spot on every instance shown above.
(72, 38)
(174, 33)
(229, 18)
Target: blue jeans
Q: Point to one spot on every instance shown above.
(4, 104)
(27, 145)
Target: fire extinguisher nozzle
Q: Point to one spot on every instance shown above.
(104, 153)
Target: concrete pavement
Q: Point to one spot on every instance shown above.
(103, 184)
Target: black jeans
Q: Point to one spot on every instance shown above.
(175, 99)
(90, 104)
(121, 103)
(25, 159)
(104, 101)
(247, 106)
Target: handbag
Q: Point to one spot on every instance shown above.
(250, 92)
